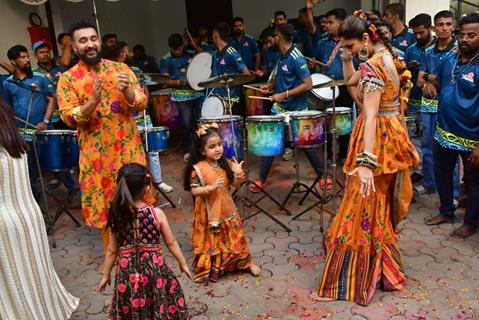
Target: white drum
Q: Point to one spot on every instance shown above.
(320, 97)
(213, 106)
(199, 70)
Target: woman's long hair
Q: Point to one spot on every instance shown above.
(10, 139)
(196, 156)
(132, 180)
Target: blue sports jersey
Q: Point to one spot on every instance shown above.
(458, 112)
(175, 67)
(227, 61)
(414, 56)
(404, 40)
(431, 62)
(53, 75)
(21, 100)
(247, 48)
(292, 70)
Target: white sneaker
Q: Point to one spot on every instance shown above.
(166, 188)
(288, 154)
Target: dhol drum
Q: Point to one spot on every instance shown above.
(265, 135)
(57, 149)
(344, 124)
(308, 128)
(213, 106)
(414, 126)
(321, 98)
(254, 106)
(157, 138)
(165, 111)
(231, 135)
(199, 70)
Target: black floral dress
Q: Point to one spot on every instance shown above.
(145, 288)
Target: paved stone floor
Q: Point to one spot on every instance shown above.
(443, 273)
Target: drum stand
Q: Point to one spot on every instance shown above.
(331, 197)
(296, 187)
(241, 192)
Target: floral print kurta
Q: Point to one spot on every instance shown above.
(108, 139)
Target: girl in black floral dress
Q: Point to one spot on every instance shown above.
(145, 288)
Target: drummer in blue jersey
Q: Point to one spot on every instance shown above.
(271, 53)
(457, 131)
(34, 108)
(430, 65)
(174, 64)
(226, 60)
(120, 52)
(245, 45)
(403, 37)
(328, 52)
(422, 28)
(194, 44)
(292, 81)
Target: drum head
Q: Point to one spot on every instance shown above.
(212, 107)
(339, 110)
(161, 92)
(323, 93)
(220, 119)
(199, 70)
(305, 114)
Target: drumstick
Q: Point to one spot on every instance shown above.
(260, 98)
(257, 89)
(317, 62)
(25, 122)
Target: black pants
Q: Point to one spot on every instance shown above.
(444, 163)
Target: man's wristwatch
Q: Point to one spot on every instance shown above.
(46, 121)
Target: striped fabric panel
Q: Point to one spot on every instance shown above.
(353, 275)
(32, 287)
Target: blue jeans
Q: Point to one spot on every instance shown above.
(444, 161)
(155, 166)
(427, 143)
(311, 154)
(190, 113)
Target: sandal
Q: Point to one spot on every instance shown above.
(422, 190)
(323, 182)
(253, 187)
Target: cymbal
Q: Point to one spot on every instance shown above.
(155, 78)
(329, 84)
(230, 80)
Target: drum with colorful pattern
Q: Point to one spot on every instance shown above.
(344, 124)
(308, 128)
(230, 130)
(265, 135)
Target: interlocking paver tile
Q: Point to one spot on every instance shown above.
(442, 283)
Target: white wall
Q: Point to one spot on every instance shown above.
(134, 21)
(257, 13)
(431, 7)
(13, 25)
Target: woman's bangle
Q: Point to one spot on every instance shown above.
(346, 57)
(287, 94)
(206, 190)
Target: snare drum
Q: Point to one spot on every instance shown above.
(265, 135)
(414, 126)
(165, 111)
(344, 124)
(321, 98)
(57, 149)
(254, 106)
(231, 135)
(157, 138)
(308, 128)
(213, 106)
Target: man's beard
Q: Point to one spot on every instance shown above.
(423, 42)
(238, 32)
(91, 61)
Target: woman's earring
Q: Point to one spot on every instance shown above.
(363, 54)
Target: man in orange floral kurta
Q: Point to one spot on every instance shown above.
(97, 97)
